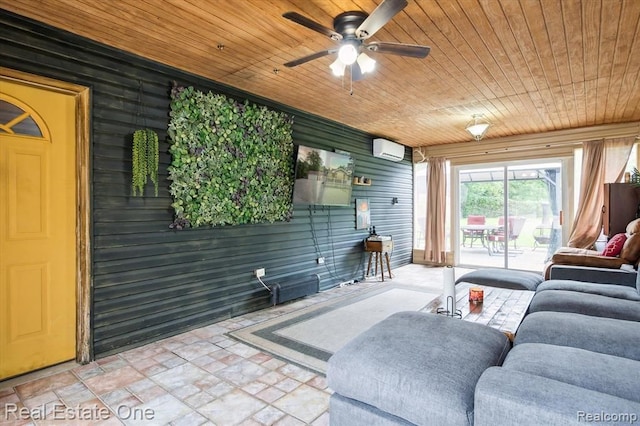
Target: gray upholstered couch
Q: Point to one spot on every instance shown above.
(602, 299)
(626, 277)
(575, 360)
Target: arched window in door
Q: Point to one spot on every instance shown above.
(17, 118)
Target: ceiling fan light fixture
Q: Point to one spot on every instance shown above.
(350, 30)
(478, 126)
(348, 53)
(367, 64)
(337, 68)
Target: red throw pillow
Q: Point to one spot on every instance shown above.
(614, 246)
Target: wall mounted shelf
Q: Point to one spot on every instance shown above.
(362, 181)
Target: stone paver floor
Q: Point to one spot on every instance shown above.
(201, 377)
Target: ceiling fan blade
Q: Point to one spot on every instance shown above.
(312, 25)
(380, 16)
(401, 49)
(308, 58)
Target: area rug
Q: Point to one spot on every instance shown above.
(309, 336)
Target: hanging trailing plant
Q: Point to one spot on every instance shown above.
(144, 160)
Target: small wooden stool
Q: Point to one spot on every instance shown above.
(377, 249)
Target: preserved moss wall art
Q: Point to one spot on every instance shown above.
(232, 162)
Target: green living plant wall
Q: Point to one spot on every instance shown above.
(232, 162)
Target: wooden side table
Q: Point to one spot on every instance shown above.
(379, 250)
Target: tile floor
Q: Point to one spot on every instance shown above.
(200, 377)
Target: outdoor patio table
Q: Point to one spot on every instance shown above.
(484, 230)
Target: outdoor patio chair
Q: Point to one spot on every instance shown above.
(541, 236)
(473, 234)
(497, 239)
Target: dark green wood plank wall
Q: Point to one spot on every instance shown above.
(151, 282)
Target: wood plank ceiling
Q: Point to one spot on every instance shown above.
(528, 65)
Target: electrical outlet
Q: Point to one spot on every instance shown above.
(320, 260)
(259, 273)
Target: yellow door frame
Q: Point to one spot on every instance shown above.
(83, 217)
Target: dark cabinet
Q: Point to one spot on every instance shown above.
(620, 207)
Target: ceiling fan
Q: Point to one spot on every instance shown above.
(351, 29)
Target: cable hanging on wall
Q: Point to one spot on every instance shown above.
(314, 234)
(144, 152)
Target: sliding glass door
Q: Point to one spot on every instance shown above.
(509, 216)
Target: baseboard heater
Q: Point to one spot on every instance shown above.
(294, 287)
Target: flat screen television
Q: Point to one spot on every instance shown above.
(323, 178)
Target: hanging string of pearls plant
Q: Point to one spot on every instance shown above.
(145, 161)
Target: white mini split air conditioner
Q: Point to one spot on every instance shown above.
(388, 150)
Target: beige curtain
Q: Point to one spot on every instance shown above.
(617, 153)
(602, 162)
(434, 250)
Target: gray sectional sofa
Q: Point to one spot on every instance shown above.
(614, 296)
(592, 274)
(575, 359)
